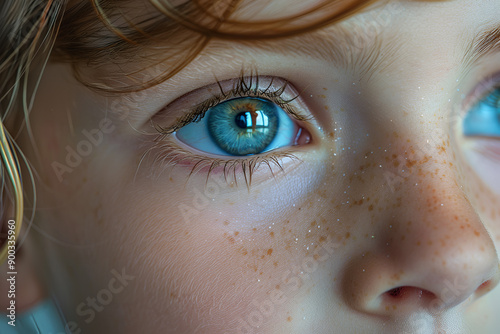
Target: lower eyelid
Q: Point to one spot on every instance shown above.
(166, 154)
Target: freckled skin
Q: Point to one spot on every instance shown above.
(370, 225)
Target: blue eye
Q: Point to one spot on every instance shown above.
(239, 127)
(484, 118)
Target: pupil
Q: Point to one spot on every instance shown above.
(241, 120)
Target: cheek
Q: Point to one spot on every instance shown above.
(210, 249)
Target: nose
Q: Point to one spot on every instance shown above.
(431, 252)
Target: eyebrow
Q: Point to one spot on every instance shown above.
(485, 43)
(350, 47)
(346, 45)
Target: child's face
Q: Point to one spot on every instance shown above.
(385, 192)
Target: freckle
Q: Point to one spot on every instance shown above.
(261, 273)
(254, 229)
(236, 233)
(419, 243)
(231, 240)
(403, 237)
(276, 264)
(289, 319)
(316, 257)
(271, 234)
(347, 235)
(226, 223)
(322, 239)
(262, 256)
(244, 252)
(269, 251)
(171, 180)
(429, 243)
(476, 233)
(370, 208)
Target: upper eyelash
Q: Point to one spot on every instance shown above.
(246, 86)
(481, 91)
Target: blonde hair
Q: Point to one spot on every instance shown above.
(26, 36)
(87, 35)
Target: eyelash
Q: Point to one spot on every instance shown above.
(170, 155)
(481, 91)
(242, 88)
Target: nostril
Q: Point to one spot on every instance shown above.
(484, 288)
(485, 285)
(407, 295)
(398, 292)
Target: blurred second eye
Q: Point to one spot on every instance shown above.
(240, 127)
(483, 120)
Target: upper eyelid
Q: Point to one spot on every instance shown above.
(481, 90)
(232, 88)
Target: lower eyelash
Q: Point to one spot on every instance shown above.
(166, 154)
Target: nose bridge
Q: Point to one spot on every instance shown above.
(444, 236)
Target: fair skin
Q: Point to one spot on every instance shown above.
(344, 213)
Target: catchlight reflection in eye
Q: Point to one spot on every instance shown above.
(239, 127)
(483, 120)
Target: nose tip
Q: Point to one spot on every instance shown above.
(381, 289)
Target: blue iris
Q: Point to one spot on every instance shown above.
(243, 126)
(240, 126)
(484, 118)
